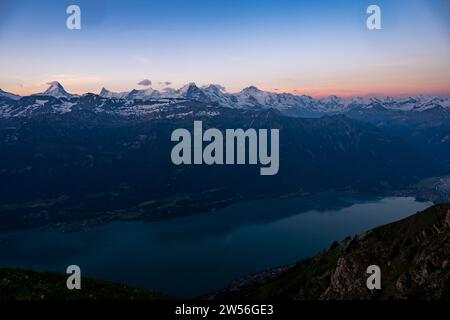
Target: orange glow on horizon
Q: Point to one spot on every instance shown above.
(316, 92)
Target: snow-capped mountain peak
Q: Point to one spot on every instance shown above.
(190, 86)
(252, 95)
(251, 90)
(216, 95)
(144, 94)
(358, 100)
(214, 89)
(105, 93)
(56, 90)
(191, 91)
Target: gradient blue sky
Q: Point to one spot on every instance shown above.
(305, 47)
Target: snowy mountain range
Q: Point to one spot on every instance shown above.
(216, 95)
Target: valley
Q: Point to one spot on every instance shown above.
(114, 153)
(188, 151)
(88, 179)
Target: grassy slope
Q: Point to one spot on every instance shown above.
(18, 284)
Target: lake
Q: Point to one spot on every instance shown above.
(195, 255)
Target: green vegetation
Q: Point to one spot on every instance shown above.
(18, 284)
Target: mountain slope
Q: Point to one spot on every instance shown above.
(428, 130)
(413, 254)
(9, 95)
(17, 284)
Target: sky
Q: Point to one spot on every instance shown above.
(318, 48)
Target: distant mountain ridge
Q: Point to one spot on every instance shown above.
(423, 121)
(254, 98)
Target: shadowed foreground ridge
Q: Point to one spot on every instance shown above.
(18, 284)
(413, 255)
